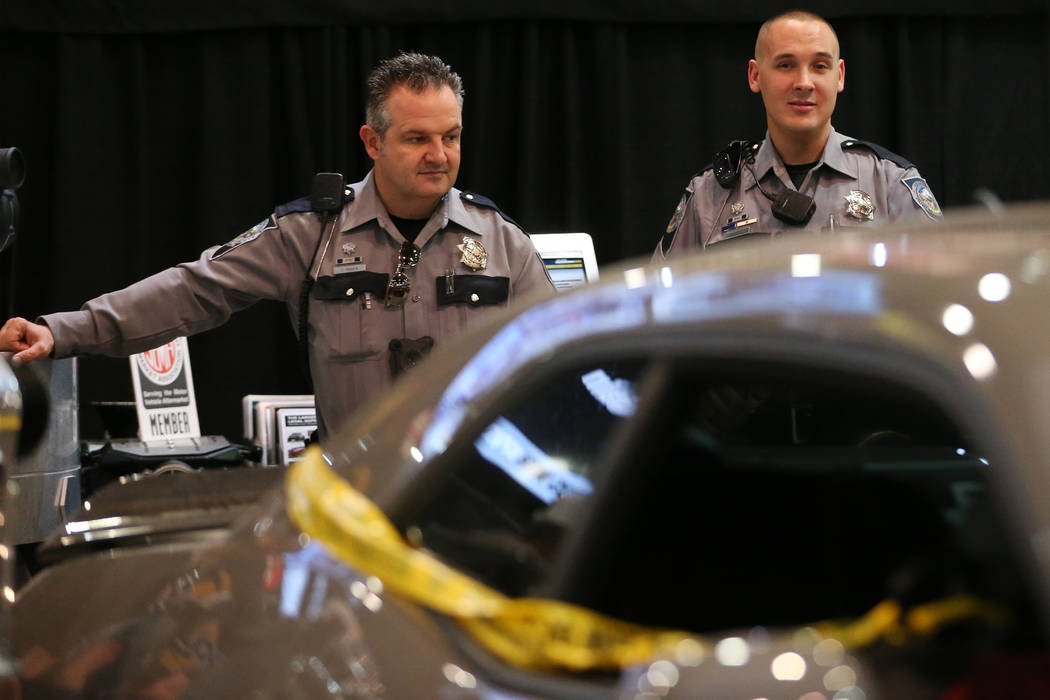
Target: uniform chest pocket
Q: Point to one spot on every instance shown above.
(351, 286)
(344, 313)
(472, 290)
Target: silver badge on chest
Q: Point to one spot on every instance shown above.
(474, 255)
(860, 206)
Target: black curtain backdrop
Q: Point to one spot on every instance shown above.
(150, 133)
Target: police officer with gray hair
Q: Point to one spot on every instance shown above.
(804, 174)
(372, 273)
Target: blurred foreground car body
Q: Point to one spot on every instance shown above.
(811, 468)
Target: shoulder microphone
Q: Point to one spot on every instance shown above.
(327, 193)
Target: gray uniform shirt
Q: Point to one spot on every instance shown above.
(350, 327)
(708, 213)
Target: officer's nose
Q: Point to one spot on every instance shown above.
(435, 153)
(803, 80)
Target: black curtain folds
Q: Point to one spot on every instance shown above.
(150, 137)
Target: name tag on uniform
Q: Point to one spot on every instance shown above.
(347, 265)
(738, 225)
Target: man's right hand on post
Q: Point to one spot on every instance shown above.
(29, 341)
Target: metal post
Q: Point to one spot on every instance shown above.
(10, 425)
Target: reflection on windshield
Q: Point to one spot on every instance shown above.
(503, 501)
(617, 395)
(549, 479)
(541, 329)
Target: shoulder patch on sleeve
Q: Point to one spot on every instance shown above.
(679, 214)
(675, 222)
(923, 196)
(246, 237)
(884, 153)
(486, 203)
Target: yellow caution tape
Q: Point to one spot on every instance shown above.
(926, 619)
(533, 633)
(888, 622)
(525, 632)
(881, 621)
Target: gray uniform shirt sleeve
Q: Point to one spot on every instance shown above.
(185, 299)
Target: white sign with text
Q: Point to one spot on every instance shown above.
(164, 398)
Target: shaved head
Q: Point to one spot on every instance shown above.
(798, 16)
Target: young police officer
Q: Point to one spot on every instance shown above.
(406, 259)
(804, 174)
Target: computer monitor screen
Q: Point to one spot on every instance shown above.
(569, 258)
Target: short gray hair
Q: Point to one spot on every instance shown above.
(415, 71)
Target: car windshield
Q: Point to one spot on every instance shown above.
(646, 489)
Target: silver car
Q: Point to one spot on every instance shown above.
(814, 467)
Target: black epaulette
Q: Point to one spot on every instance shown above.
(297, 206)
(302, 205)
(878, 150)
(485, 202)
(348, 195)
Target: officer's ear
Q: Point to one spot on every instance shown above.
(372, 140)
(842, 75)
(752, 75)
